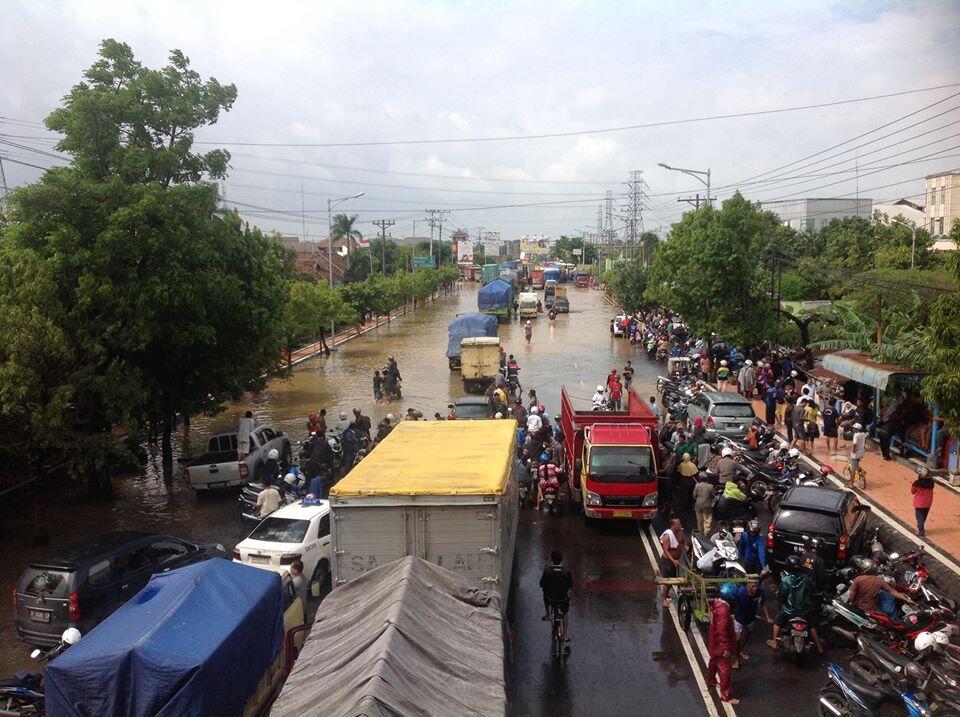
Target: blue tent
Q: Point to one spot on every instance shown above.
(468, 326)
(194, 641)
(495, 295)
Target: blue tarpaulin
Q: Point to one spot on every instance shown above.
(468, 326)
(495, 295)
(194, 641)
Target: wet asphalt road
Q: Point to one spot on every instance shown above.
(625, 659)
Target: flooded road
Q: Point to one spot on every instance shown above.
(576, 350)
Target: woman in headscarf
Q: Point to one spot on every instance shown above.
(687, 473)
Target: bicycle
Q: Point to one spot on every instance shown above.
(858, 477)
(557, 647)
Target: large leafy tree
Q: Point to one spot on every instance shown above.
(566, 245)
(941, 356)
(628, 283)
(126, 295)
(311, 307)
(710, 270)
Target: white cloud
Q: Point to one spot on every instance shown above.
(347, 71)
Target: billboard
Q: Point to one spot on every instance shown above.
(535, 244)
(465, 252)
(423, 262)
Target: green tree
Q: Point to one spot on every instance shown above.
(628, 283)
(147, 300)
(343, 228)
(566, 245)
(310, 308)
(707, 271)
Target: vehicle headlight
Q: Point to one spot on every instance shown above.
(592, 498)
(650, 500)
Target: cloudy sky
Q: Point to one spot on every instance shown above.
(336, 73)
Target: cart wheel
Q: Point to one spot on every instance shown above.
(685, 608)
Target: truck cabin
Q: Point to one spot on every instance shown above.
(619, 454)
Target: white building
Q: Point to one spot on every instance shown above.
(813, 214)
(911, 211)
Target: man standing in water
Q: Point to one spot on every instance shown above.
(243, 435)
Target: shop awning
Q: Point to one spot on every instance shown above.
(863, 368)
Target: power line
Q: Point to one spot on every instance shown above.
(549, 135)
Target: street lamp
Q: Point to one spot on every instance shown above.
(330, 204)
(912, 226)
(696, 173)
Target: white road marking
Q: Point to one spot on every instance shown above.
(687, 647)
(697, 637)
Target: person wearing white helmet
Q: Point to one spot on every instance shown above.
(723, 376)
(747, 378)
(600, 398)
(534, 422)
(384, 428)
(728, 468)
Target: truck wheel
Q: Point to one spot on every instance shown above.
(321, 575)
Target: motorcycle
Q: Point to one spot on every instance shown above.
(551, 496)
(798, 641)
(845, 695)
(725, 556)
(22, 694)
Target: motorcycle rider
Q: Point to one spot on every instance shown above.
(384, 427)
(549, 477)
(866, 588)
(811, 561)
(362, 425)
(556, 583)
(349, 443)
(271, 467)
(600, 398)
(534, 422)
(796, 600)
(513, 374)
(752, 548)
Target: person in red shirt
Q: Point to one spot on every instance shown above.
(616, 392)
(612, 376)
(922, 490)
(722, 642)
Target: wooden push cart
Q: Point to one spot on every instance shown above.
(694, 592)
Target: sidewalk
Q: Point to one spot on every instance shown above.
(888, 485)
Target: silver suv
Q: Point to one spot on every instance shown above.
(723, 414)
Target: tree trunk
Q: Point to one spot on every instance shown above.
(166, 448)
(323, 344)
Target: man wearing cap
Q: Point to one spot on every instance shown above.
(858, 448)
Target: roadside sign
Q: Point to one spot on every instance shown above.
(578, 252)
(423, 262)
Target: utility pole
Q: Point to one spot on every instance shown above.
(436, 220)
(3, 202)
(879, 321)
(383, 224)
(608, 216)
(695, 201)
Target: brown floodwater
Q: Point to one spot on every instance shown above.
(576, 350)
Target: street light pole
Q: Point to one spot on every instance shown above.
(330, 204)
(913, 244)
(696, 173)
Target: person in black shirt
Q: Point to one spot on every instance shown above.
(811, 561)
(556, 583)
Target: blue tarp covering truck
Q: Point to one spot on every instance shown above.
(467, 326)
(205, 639)
(496, 299)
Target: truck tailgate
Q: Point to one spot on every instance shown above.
(366, 538)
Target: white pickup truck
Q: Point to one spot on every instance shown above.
(219, 467)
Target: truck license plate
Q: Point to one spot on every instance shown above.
(260, 559)
(40, 616)
(218, 484)
(622, 513)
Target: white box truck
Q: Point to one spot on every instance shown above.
(444, 491)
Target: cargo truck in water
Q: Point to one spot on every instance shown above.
(612, 458)
(444, 491)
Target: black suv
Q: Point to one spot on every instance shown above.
(82, 584)
(834, 517)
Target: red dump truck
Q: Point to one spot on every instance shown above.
(612, 458)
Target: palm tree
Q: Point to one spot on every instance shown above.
(342, 228)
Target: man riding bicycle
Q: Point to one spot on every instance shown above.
(556, 583)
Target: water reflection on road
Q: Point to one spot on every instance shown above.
(576, 350)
